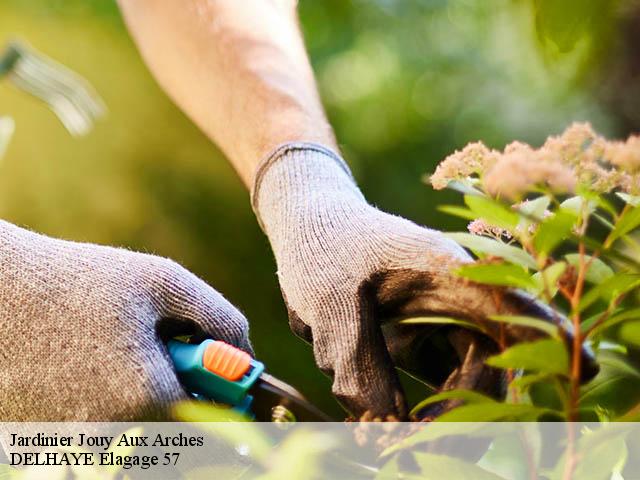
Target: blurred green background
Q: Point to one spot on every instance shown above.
(405, 83)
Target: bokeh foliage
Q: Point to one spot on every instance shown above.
(404, 82)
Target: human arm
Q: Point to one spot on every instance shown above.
(346, 269)
(239, 70)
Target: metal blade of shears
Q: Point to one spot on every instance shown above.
(277, 401)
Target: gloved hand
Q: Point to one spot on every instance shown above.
(81, 327)
(345, 267)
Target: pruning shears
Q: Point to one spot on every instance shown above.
(216, 371)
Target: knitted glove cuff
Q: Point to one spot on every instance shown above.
(299, 170)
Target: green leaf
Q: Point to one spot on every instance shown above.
(440, 321)
(598, 460)
(389, 471)
(545, 356)
(464, 188)
(300, 454)
(492, 412)
(628, 221)
(549, 277)
(525, 381)
(192, 411)
(603, 460)
(603, 204)
(492, 247)
(615, 390)
(597, 271)
(610, 289)
(577, 205)
(458, 211)
(613, 254)
(392, 470)
(468, 396)
(9, 473)
(545, 326)
(633, 200)
(615, 319)
(438, 466)
(618, 363)
(534, 209)
(441, 430)
(630, 333)
(505, 274)
(214, 420)
(492, 211)
(603, 221)
(515, 455)
(554, 231)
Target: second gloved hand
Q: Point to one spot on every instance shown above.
(81, 327)
(345, 267)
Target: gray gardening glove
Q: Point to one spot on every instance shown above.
(81, 325)
(345, 267)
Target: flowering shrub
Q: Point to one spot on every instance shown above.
(559, 221)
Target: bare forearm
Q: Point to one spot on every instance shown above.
(239, 70)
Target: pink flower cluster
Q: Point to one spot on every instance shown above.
(481, 227)
(474, 159)
(577, 157)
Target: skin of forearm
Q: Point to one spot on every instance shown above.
(238, 69)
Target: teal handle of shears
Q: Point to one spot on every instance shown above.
(188, 361)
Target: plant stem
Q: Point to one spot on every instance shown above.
(502, 344)
(574, 389)
(576, 366)
(531, 464)
(571, 461)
